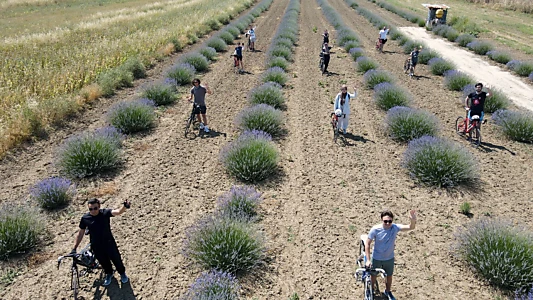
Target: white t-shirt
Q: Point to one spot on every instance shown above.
(383, 34)
(251, 33)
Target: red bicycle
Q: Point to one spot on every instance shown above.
(335, 123)
(472, 128)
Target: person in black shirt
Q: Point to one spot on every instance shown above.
(414, 59)
(103, 244)
(477, 102)
(326, 37)
(326, 55)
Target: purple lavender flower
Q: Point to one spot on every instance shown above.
(261, 117)
(512, 64)
(53, 192)
(435, 60)
(356, 53)
(240, 203)
(456, 80)
(405, 124)
(182, 73)
(268, 93)
(530, 77)
(374, 77)
(214, 285)
(132, 116)
(524, 294)
(110, 133)
(498, 250)
(516, 125)
(224, 244)
(387, 96)
(438, 162)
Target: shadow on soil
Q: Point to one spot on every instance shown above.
(115, 291)
(488, 147)
(345, 139)
(203, 135)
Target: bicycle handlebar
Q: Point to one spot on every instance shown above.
(379, 270)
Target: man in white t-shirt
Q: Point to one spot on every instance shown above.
(251, 38)
(383, 37)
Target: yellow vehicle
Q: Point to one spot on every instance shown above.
(436, 14)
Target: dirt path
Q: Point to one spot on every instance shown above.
(173, 181)
(473, 65)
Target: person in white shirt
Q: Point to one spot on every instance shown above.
(251, 36)
(342, 102)
(383, 37)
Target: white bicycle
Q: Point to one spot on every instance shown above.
(364, 274)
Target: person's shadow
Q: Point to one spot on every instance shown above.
(115, 291)
(202, 134)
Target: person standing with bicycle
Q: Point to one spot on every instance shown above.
(325, 35)
(384, 235)
(383, 37)
(342, 102)
(326, 57)
(198, 92)
(238, 56)
(251, 38)
(103, 244)
(414, 59)
(477, 102)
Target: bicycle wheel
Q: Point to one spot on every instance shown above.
(459, 125)
(369, 295)
(335, 132)
(189, 125)
(75, 282)
(406, 66)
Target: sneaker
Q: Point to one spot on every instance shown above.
(124, 278)
(206, 129)
(107, 279)
(201, 126)
(389, 295)
(344, 131)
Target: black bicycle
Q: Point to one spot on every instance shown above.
(408, 67)
(84, 258)
(321, 63)
(192, 121)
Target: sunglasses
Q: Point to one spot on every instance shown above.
(93, 208)
(387, 221)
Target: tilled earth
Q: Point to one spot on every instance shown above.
(326, 196)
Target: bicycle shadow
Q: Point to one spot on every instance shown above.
(328, 73)
(488, 148)
(211, 134)
(116, 290)
(356, 138)
(417, 77)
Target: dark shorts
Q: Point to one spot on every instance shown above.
(414, 62)
(201, 110)
(387, 265)
(383, 41)
(238, 57)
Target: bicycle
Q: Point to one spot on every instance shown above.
(379, 45)
(365, 273)
(408, 67)
(473, 129)
(335, 123)
(321, 63)
(249, 46)
(192, 121)
(84, 258)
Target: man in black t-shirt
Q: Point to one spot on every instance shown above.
(477, 102)
(103, 244)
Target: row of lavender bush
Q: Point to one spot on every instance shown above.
(93, 152)
(227, 243)
(494, 249)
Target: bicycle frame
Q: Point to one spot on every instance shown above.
(335, 125)
(365, 273)
(74, 272)
(192, 118)
(472, 128)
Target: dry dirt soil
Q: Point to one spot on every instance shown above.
(313, 213)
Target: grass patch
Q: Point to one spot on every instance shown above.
(20, 228)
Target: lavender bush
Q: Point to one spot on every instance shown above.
(512, 64)
(161, 94)
(516, 125)
(405, 124)
(388, 96)
(426, 55)
(497, 101)
(53, 192)
(356, 53)
(524, 293)
(209, 52)
(240, 204)
(214, 285)
(455, 80)
(480, 47)
(410, 45)
(226, 37)
(522, 68)
(279, 62)
(268, 93)
(251, 157)
(225, 245)
(283, 42)
(499, 251)
(365, 64)
(499, 56)
(281, 51)
(530, 77)
(438, 162)
(375, 77)
(439, 66)
(464, 39)
(182, 73)
(233, 30)
(276, 75)
(350, 45)
(261, 117)
(88, 153)
(218, 44)
(345, 36)
(197, 60)
(132, 116)
(19, 230)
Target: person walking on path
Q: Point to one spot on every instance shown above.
(383, 37)
(103, 245)
(384, 235)
(342, 102)
(198, 92)
(326, 56)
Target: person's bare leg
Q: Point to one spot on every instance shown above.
(388, 283)
(204, 118)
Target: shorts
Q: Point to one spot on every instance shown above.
(480, 115)
(200, 110)
(252, 39)
(414, 62)
(383, 41)
(238, 57)
(387, 265)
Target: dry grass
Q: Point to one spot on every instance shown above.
(107, 188)
(525, 6)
